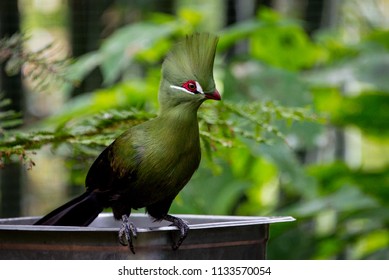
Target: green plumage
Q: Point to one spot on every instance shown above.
(193, 58)
(150, 163)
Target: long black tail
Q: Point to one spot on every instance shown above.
(80, 211)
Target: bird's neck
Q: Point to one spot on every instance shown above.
(182, 117)
(177, 116)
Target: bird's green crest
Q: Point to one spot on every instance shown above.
(192, 59)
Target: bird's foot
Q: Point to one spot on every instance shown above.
(182, 226)
(127, 233)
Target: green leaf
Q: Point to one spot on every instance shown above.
(13, 65)
(121, 48)
(361, 110)
(84, 65)
(370, 67)
(346, 199)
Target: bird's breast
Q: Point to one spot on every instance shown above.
(167, 165)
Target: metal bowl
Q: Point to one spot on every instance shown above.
(210, 237)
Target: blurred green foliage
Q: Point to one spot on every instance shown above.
(253, 141)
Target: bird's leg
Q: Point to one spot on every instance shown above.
(127, 233)
(182, 226)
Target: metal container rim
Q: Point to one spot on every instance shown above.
(222, 221)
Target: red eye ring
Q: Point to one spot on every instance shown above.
(190, 86)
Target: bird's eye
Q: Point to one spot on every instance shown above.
(190, 86)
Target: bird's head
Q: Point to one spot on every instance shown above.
(187, 72)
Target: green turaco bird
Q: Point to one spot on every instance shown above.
(149, 164)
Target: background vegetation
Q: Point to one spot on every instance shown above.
(302, 129)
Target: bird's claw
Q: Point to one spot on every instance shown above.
(183, 228)
(127, 233)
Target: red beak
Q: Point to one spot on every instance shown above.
(213, 95)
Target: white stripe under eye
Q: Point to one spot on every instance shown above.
(182, 89)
